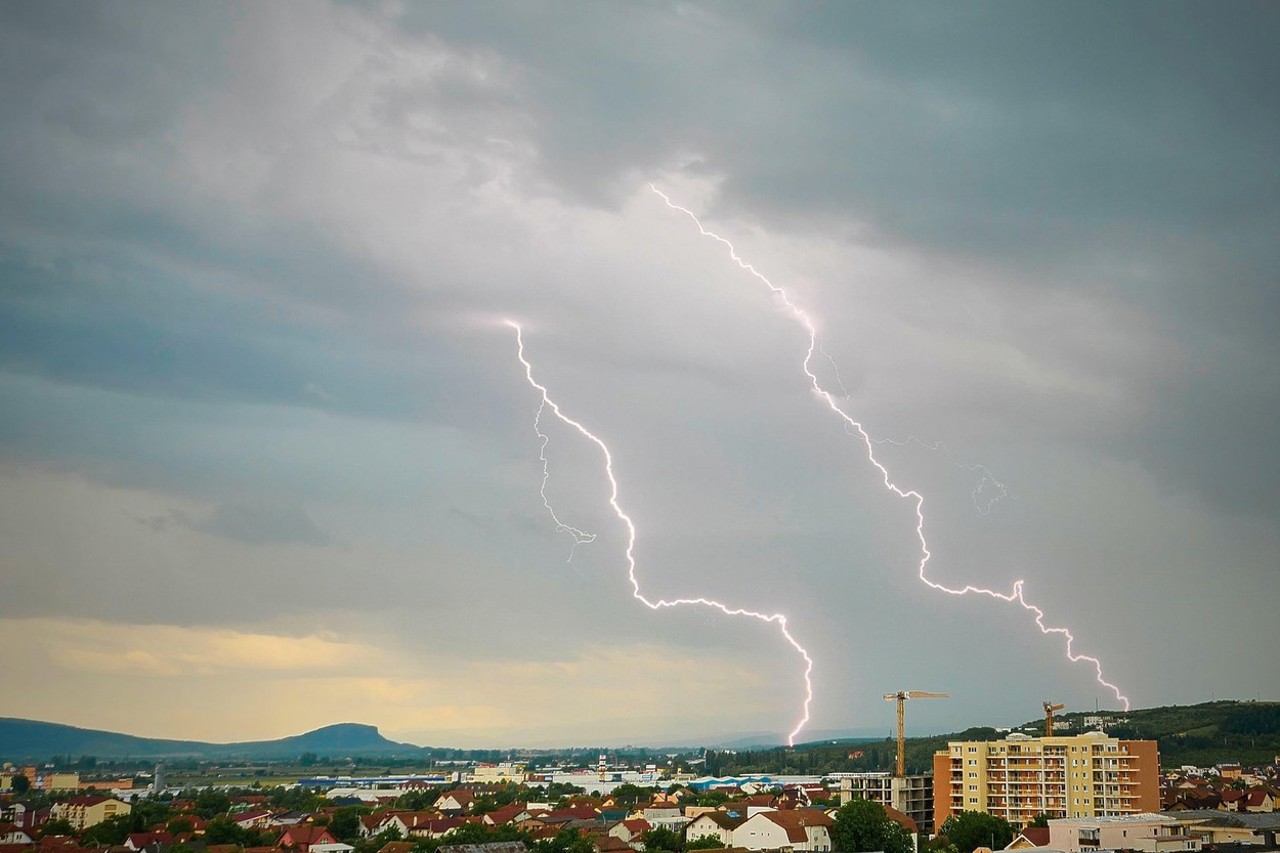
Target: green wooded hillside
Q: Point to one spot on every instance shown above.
(1205, 734)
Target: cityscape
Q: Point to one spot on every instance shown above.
(1074, 783)
(601, 426)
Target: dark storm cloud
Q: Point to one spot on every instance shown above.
(252, 259)
(1110, 150)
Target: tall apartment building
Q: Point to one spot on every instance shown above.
(911, 795)
(1088, 775)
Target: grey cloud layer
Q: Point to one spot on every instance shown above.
(253, 258)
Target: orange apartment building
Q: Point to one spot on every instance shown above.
(1078, 776)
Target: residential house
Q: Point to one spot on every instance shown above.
(437, 827)
(454, 802)
(502, 815)
(1212, 827)
(717, 824)
(371, 824)
(807, 830)
(1030, 838)
(335, 847)
(304, 836)
(11, 833)
(84, 812)
(630, 832)
(1260, 799)
(252, 819)
(406, 822)
(149, 841)
(289, 818)
(610, 844)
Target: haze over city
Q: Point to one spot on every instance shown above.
(268, 457)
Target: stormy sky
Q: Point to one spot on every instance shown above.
(268, 458)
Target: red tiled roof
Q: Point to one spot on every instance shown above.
(795, 821)
(1037, 835)
(903, 820)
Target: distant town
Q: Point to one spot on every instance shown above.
(1071, 784)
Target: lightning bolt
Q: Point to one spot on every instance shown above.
(778, 619)
(1013, 597)
(580, 537)
(986, 480)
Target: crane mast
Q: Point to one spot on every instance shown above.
(1049, 708)
(901, 698)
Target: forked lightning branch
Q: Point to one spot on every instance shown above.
(850, 424)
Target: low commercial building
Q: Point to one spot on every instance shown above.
(1145, 833)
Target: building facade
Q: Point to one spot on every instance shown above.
(911, 795)
(1080, 776)
(84, 812)
(1144, 833)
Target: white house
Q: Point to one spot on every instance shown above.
(800, 829)
(717, 824)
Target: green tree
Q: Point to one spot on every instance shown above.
(391, 833)
(147, 813)
(705, 842)
(864, 825)
(938, 844)
(971, 830)
(57, 826)
(223, 830)
(630, 793)
(20, 784)
(567, 840)
(1041, 821)
(107, 833)
(210, 804)
(661, 838)
(345, 824)
(179, 826)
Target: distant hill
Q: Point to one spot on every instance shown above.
(1204, 734)
(31, 740)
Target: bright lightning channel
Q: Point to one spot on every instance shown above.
(803, 318)
(778, 619)
(987, 482)
(580, 537)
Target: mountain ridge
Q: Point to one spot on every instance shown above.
(22, 739)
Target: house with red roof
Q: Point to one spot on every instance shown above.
(717, 824)
(1030, 838)
(11, 833)
(807, 830)
(147, 840)
(252, 819)
(454, 802)
(502, 815)
(303, 836)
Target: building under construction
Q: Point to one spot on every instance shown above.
(911, 795)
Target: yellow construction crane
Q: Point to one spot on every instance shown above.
(1049, 708)
(901, 697)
